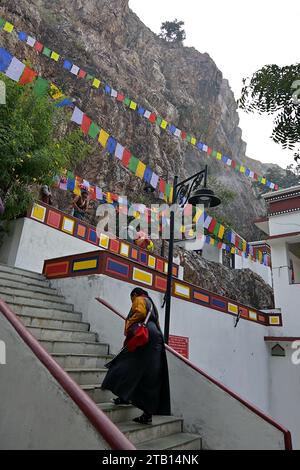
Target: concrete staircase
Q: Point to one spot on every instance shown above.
(69, 340)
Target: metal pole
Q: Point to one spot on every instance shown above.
(170, 269)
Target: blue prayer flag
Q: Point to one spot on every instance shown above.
(5, 59)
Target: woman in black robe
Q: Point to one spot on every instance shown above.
(141, 377)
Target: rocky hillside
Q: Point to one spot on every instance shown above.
(181, 84)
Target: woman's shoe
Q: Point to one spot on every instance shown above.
(119, 401)
(144, 419)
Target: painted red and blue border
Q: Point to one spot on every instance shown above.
(115, 266)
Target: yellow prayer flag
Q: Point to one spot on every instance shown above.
(163, 124)
(8, 27)
(109, 198)
(197, 215)
(219, 156)
(232, 251)
(140, 170)
(244, 245)
(212, 242)
(242, 169)
(103, 138)
(55, 92)
(171, 194)
(182, 229)
(96, 83)
(263, 180)
(133, 105)
(221, 232)
(193, 141)
(55, 56)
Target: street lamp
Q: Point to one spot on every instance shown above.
(187, 191)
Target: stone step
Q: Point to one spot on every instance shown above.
(162, 426)
(96, 393)
(47, 323)
(75, 347)
(53, 334)
(178, 441)
(21, 272)
(32, 294)
(27, 286)
(87, 376)
(24, 279)
(54, 314)
(119, 413)
(81, 361)
(32, 302)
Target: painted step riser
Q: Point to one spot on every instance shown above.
(74, 348)
(31, 294)
(20, 272)
(45, 313)
(46, 323)
(58, 335)
(16, 299)
(124, 414)
(99, 396)
(87, 378)
(154, 432)
(29, 287)
(82, 363)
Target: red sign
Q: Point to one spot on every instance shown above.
(180, 344)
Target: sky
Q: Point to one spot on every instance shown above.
(240, 37)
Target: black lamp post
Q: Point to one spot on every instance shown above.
(187, 191)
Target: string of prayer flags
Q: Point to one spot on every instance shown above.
(135, 107)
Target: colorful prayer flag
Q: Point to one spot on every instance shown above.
(103, 138)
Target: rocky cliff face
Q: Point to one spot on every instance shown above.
(108, 40)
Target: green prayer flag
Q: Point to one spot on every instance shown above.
(2, 21)
(89, 77)
(214, 153)
(216, 229)
(159, 120)
(188, 138)
(70, 175)
(133, 163)
(47, 51)
(168, 189)
(94, 130)
(127, 101)
(40, 87)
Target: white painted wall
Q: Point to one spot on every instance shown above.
(236, 356)
(36, 413)
(285, 388)
(258, 268)
(284, 223)
(29, 243)
(212, 253)
(286, 295)
(222, 421)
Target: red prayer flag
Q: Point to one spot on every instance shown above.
(233, 163)
(86, 124)
(152, 117)
(38, 46)
(209, 151)
(92, 192)
(162, 186)
(183, 135)
(212, 225)
(27, 76)
(120, 97)
(126, 157)
(81, 74)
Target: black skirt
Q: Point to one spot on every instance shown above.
(142, 376)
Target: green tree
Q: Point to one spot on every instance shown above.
(275, 90)
(33, 148)
(172, 31)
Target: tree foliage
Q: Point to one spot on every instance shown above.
(275, 90)
(32, 151)
(172, 31)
